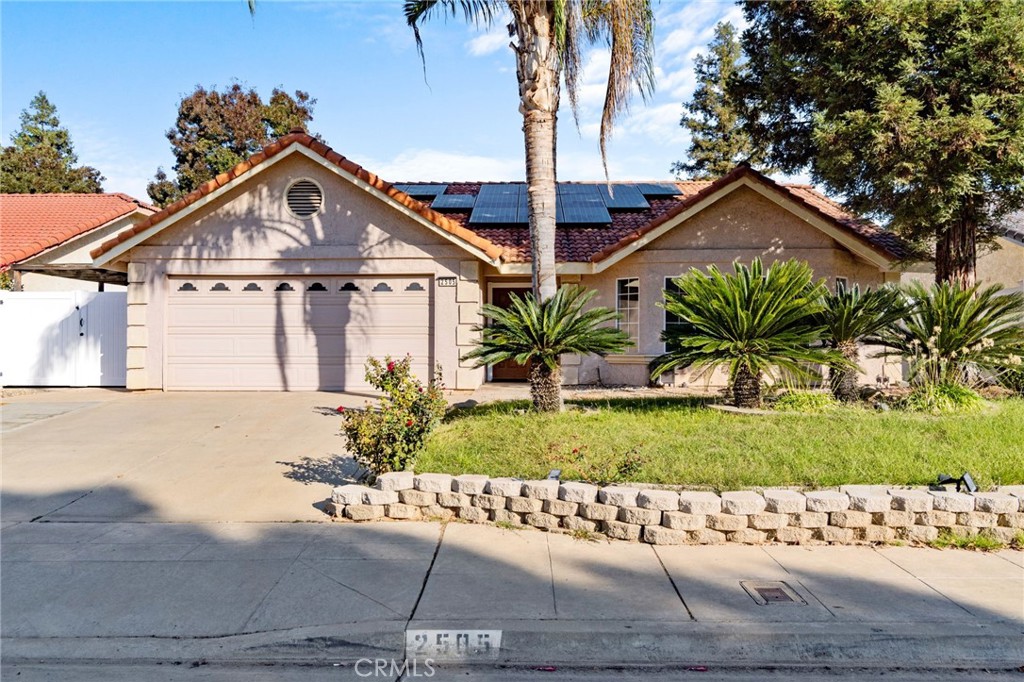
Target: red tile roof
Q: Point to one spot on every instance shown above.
(32, 223)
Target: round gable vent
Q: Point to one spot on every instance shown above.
(305, 198)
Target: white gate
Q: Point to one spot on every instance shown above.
(63, 338)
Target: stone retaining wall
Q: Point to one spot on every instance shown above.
(665, 517)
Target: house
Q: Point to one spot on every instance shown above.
(1004, 265)
(45, 239)
(288, 271)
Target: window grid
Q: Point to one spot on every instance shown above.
(627, 305)
(672, 321)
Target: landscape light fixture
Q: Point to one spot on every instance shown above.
(554, 474)
(966, 481)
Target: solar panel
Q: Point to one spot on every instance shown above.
(623, 196)
(453, 202)
(422, 191)
(581, 204)
(498, 203)
(658, 189)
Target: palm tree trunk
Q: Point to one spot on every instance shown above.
(746, 388)
(842, 380)
(537, 73)
(546, 387)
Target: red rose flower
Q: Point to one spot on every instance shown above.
(391, 366)
(341, 408)
(408, 423)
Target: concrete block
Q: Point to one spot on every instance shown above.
(138, 294)
(135, 358)
(919, 533)
(699, 502)
(1013, 520)
(618, 495)
(454, 500)
(784, 501)
(870, 502)
(489, 501)
(579, 524)
(961, 531)
(874, 534)
(523, 505)
(560, 507)
(894, 518)
(469, 313)
(136, 378)
(827, 501)
(465, 335)
(136, 273)
(618, 530)
(573, 491)
(748, 536)
(433, 483)
(395, 480)
(475, 514)
(936, 518)
(542, 520)
(468, 379)
(506, 516)
(469, 270)
(506, 487)
(135, 316)
(417, 498)
(977, 519)
(911, 500)
(660, 535)
(662, 500)
(364, 512)
(570, 376)
(541, 490)
(707, 536)
(470, 484)
(726, 522)
(768, 521)
(808, 519)
(742, 502)
(995, 503)
(332, 508)
(402, 511)
(371, 496)
(641, 517)
(348, 494)
(1004, 535)
(951, 501)
(437, 512)
(137, 337)
(793, 536)
(467, 292)
(834, 534)
(683, 521)
(598, 512)
(849, 519)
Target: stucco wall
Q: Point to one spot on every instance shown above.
(1004, 266)
(250, 232)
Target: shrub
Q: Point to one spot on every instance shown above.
(805, 401)
(1012, 378)
(941, 397)
(582, 465)
(388, 436)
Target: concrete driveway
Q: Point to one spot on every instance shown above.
(107, 455)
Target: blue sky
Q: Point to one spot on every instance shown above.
(117, 70)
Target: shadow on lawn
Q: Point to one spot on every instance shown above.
(627, 405)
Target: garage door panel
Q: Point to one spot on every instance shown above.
(251, 337)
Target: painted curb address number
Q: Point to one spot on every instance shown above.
(452, 644)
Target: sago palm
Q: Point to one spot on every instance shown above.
(547, 40)
(538, 333)
(850, 318)
(952, 333)
(754, 322)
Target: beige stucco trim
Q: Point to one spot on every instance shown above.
(627, 359)
(561, 269)
(269, 163)
(849, 242)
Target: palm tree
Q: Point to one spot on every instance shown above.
(549, 35)
(753, 322)
(851, 317)
(538, 333)
(953, 332)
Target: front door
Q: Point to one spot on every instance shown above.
(508, 370)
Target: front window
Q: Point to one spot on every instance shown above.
(627, 305)
(672, 321)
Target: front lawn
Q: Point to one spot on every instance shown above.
(683, 442)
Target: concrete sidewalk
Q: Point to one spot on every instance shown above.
(82, 596)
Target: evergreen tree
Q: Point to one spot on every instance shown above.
(718, 141)
(913, 110)
(216, 131)
(42, 158)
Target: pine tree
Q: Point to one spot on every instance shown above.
(42, 158)
(717, 140)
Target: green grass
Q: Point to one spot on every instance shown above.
(680, 441)
(980, 542)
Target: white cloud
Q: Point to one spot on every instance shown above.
(488, 43)
(414, 165)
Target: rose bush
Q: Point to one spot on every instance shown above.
(388, 436)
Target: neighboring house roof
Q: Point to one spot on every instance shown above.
(510, 243)
(1013, 227)
(33, 223)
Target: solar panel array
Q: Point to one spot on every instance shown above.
(658, 189)
(581, 204)
(422, 191)
(500, 204)
(454, 202)
(623, 196)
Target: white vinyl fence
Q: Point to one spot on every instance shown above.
(63, 338)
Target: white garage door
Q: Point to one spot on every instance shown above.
(293, 334)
